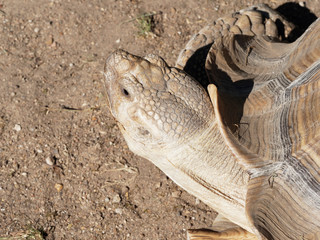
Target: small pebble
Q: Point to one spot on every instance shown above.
(36, 30)
(49, 161)
(118, 210)
(58, 187)
(176, 194)
(118, 40)
(173, 10)
(39, 150)
(24, 174)
(116, 199)
(17, 127)
(302, 4)
(197, 201)
(107, 199)
(50, 40)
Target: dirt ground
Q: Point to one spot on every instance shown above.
(65, 170)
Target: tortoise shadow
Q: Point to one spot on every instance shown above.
(195, 65)
(300, 16)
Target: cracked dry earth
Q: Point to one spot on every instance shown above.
(65, 170)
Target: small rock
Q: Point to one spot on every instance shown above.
(107, 199)
(302, 4)
(197, 201)
(116, 199)
(118, 210)
(50, 40)
(176, 194)
(118, 41)
(17, 127)
(49, 161)
(36, 30)
(24, 174)
(58, 187)
(38, 150)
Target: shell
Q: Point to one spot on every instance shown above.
(275, 134)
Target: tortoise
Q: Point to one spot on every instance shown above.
(236, 122)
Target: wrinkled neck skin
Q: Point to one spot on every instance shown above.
(203, 166)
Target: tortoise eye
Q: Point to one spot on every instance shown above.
(125, 92)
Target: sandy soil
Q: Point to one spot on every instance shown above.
(65, 170)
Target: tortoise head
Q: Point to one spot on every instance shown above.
(155, 105)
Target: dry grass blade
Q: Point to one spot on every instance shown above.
(145, 23)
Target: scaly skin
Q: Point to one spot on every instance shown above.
(168, 118)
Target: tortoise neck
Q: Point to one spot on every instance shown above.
(206, 168)
(215, 162)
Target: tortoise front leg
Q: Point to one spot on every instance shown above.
(222, 229)
(234, 233)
